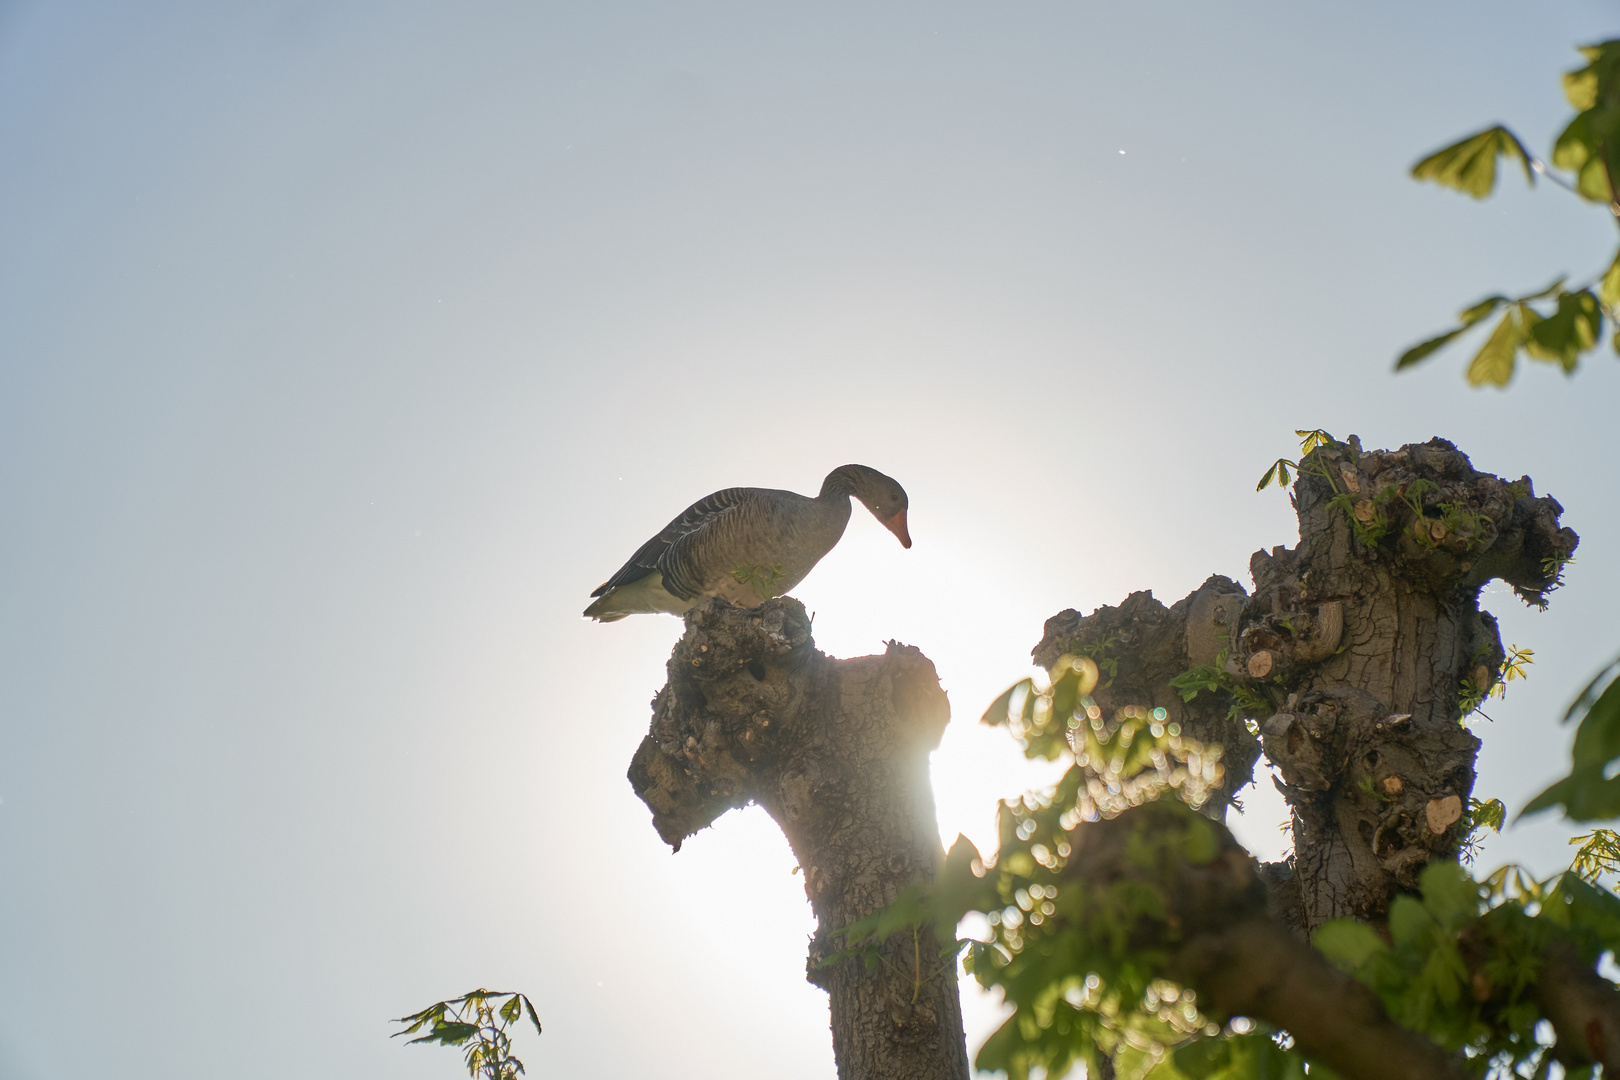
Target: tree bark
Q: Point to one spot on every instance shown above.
(836, 751)
(1376, 766)
(1361, 643)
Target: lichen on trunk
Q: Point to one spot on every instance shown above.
(836, 751)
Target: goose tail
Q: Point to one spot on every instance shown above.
(602, 611)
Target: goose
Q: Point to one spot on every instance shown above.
(746, 545)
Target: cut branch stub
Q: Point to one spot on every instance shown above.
(1375, 797)
(836, 751)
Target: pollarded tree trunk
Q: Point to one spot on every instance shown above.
(1394, 549)
(1354, 658)
(836, 751)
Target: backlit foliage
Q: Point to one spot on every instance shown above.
(475, 1021)
(1559, 323)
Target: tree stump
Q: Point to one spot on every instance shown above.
(836, 751)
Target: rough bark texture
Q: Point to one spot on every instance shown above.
(1377, 769)
(1363, 641)
(836, 751)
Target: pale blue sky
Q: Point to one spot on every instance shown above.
(344, 348)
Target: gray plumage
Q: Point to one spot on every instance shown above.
(746, 544)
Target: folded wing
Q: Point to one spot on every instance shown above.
(649, 558)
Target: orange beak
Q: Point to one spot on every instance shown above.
(897, 525)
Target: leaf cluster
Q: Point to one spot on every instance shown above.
(1118, 761)
(1560, 334)
(1487, 814)
(1064, 954)
(1460, 962)
(1068, 954)
(477, 1020)
(1598, 857)
(1514, 665)
(1280, 469)
(1571, 322)
(1244, 703)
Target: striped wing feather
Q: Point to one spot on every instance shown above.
(650, 555)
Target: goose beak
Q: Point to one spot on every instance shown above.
(897, 525)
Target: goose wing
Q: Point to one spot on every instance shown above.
(692, 520)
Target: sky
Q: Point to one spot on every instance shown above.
(345, 347)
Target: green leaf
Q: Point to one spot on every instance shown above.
(1474, 313)
(1493, 363)
(1575, 145)
(1598, 854)
(1580, 149)
(1597, 740)
(1470, 165)
(958, 889)
(448, 1033)
(1593, 181)
(1556, 287)
(1310, 440)
(1449, 894)
(1204, 1057)
(1489, 814)
(1348, 943)
(1278, 471)
(1581, 85)
(1467, 317)
(1423, 350)
(1589, 907)
(996, 715)
(1586, 793)
(1253, 1056)
(1609, 290)
(1571, 330)
(419, 1019)
(1588, 696)
(512, 1009)
(1408, 920)
(533, 1016)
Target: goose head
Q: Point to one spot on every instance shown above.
(880, 494)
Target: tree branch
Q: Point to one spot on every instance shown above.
(1256, 968)
(1583, 1007)
(1219, 941)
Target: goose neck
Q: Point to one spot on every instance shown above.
(840, 483)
